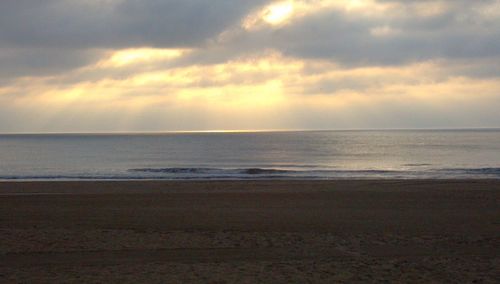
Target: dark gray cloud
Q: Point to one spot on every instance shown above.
(22, 62)
(334, 36)
(116, 23)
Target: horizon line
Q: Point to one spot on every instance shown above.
(244, 131)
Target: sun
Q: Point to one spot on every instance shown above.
(278, 13)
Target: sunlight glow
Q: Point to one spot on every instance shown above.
(257, 91)
(285, 12)
(275, 14)
(142, 55)
(278, 13)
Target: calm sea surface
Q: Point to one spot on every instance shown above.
(265, 155)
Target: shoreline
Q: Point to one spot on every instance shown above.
(170, 182)
(90, 187)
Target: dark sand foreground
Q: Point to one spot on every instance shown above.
(250, 232)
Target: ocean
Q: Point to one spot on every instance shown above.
(391, 154)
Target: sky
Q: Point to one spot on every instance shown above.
(186, 65)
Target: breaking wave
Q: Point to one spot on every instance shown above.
(247, 171)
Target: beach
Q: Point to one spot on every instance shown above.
(279, 231)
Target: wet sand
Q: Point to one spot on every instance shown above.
(250, 231)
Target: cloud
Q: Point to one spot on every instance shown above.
(116, 23)
(54, 35)
(385, 32)
(23, 62)
(397, 33)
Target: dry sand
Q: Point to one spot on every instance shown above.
(250, 232)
